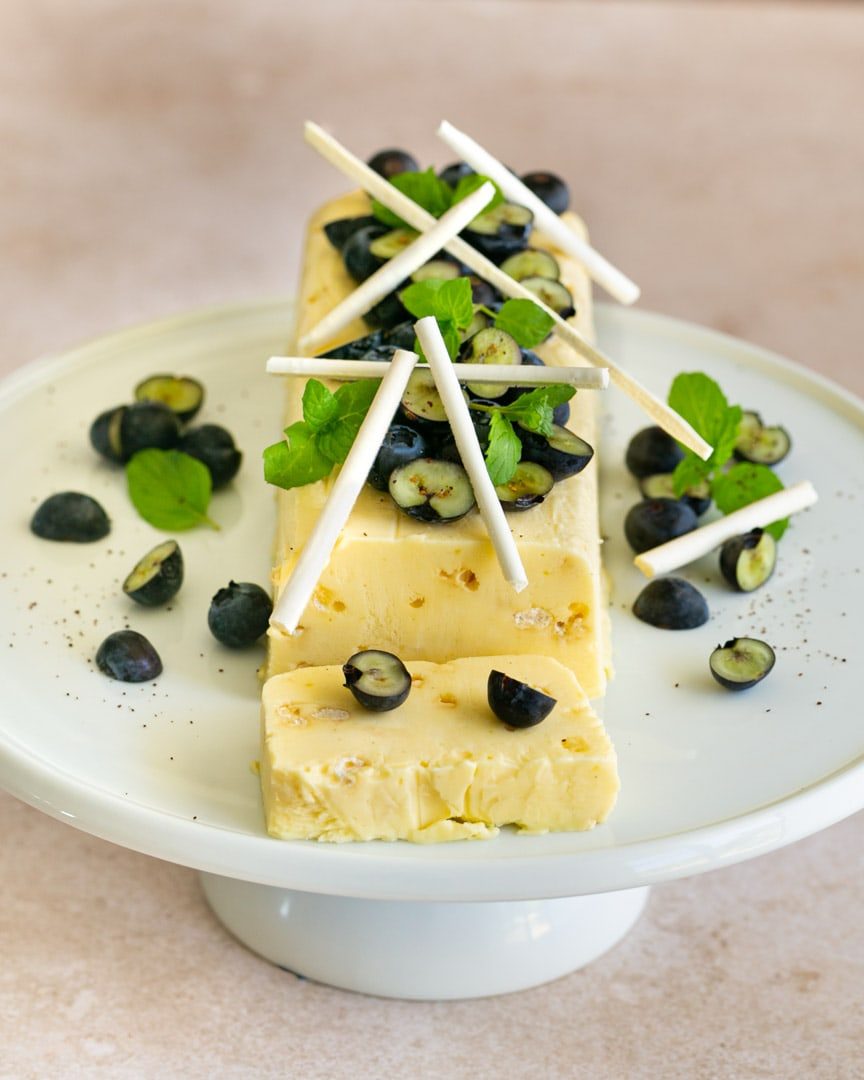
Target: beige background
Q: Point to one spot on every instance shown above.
(151, 162)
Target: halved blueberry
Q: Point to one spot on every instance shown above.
(239, 614)
(741, 662)
(654, 521)
(432, 490)
(553, 294)
(387, 313)
(500, 232)
(549, 188)
(421, 405)
(453, 173)
(181, 393)
(490, 346)
(483, 293)
(339, 232)
(759, 444)
(357, 255)
(392, 161)
(563, 453)
(532, 262)
(105, 434)
(70, 516)
(528, 487)
(400, 445)
(120, 432)
(214, 447)
(747, 561)
(671, 604)
(516, 703)
(652, 451)
(392, 242)
(128, 656)
(661, 486)
(442, 268)
(156, 577)
(377, 679)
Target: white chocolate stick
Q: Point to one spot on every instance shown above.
(601, 270)
(352, 476)
(583, 378)
(469, 450)
(756, 515)
(395, 270)
(420, 219)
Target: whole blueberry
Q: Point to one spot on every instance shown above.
(214, 447)
(392, 161)
(654, 521)
(671, 604)
(71, 516)
(239, 614)
(549, 188)
(652, 451)
(400, 445)
(128, 656)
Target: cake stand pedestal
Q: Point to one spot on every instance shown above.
(421, 950)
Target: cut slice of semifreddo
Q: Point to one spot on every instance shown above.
(436, 592)
(441, 766)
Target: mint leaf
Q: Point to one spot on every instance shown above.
(524, 321)
(743, 484)
(352, 403)
(295, 462)
(455, 303)
(469, 184)
(503, 451)
(424, 188)
(169, 489)
(319, 405)
(689, 471)
(534, 409)
(420, 298)
(700, 401)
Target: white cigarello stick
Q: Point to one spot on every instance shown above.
(347, 486)
(600, 269)
(469, 450)
(420, 219)
(396, 270)
(583, 378)
(756, 515)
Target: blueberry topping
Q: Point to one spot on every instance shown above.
(561, 413)
(563, 453)
(490, 346)
(759, 444)
(747, 561)
(532, 263)
(500, 232)
(553, 294)
(400, 445)
(128, 656)
(528, 487)
(661, 486)
(339, 232)
(443, 268)
(357, 252)
(652, 451)
(516, 703)
(214, 447)
(741, 662)
(549, 188)
(392, 161)
(432, 490)
(105, 434)
(452, 174)
(421, 404)
(157, 577)
(654, 521)
(239, 614)
(70, 516)
(378, 680)
(671, 604)
(483, 293)
(120, 432)
(182, 394)
(387, 313)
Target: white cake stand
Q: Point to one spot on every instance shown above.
(708, 778)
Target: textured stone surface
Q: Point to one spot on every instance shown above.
(151, 163)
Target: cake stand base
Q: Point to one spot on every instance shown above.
(419, 950)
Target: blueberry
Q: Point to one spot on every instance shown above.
(662, 486)
(747, 561)
(651, 451)
(156, 577)
(239, 614)
(378, 680)
(483, 293)
(654, 521)
(339, 232)
(359, 260)
(214, 447)
(500, 232)
(528, 487)
(453, 173)
(432, 490)
(387, 313)
(105, 434)
(391, 162)
(549, 188)
(128, 656)
(760, 444)
(400, 445)
(146, 425)
(182, 394)
(71, 516)
(741, 663)
(563, 453)
(561, 413)
(671, 604)
(516, 703)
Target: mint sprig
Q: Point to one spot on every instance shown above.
(169, 489)
(323, 438)
(533, 410)
(504, 449)
(743, 484)
(524, 321)
(432, 193)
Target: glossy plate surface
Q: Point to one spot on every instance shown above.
(708, 777)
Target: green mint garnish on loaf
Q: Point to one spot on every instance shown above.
(323, 438)
(533, 410)
(524, 321)
(435, 195)
(169, 489)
